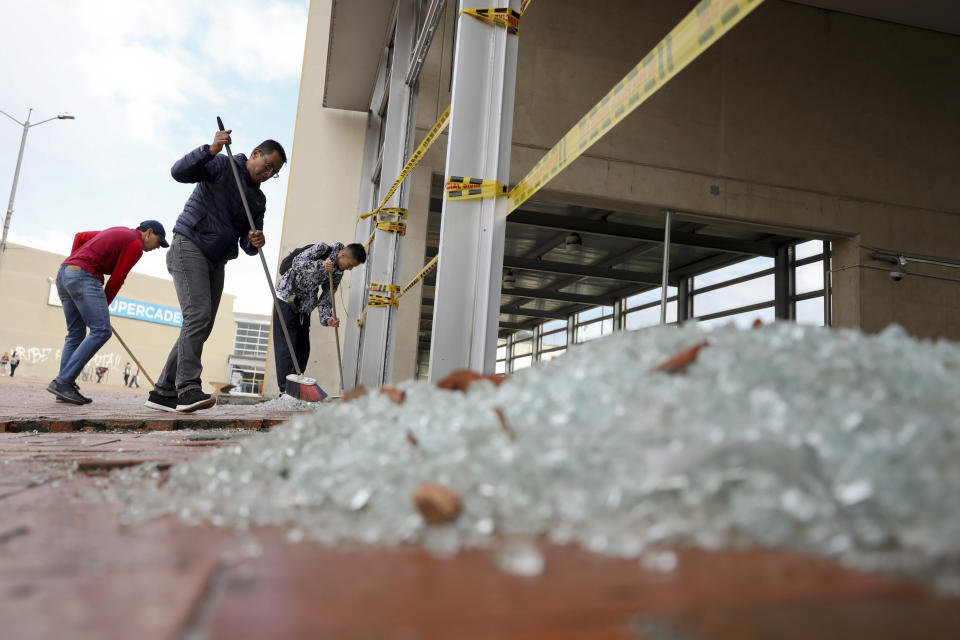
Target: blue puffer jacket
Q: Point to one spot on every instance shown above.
(213, 217)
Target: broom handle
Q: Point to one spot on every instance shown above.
(263, 261)
(336, 330)
(134, 357)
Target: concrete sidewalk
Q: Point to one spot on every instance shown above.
(26, 405)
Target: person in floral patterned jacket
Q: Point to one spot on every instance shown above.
(304, 286)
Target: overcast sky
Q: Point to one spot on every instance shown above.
(146, 81)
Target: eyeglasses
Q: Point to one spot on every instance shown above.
(274, 173)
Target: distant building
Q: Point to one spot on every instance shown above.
(145, 313)
(247, 363)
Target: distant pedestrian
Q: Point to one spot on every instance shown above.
(4, 363)
(85, 299)
(14, 363)
(133, 377)
(126, 375)
(101, 371)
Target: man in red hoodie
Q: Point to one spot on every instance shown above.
(85, 300)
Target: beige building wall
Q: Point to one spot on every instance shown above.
(324, 185)
(827, 124)
(37, 329)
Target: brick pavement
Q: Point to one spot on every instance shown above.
(26, 405)
(69, 568)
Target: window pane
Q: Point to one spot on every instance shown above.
(522, 348)
(737, 295)
(501, 353)
(807, 249)
(650, 317)
(810, 277)
(558, 339)
(732, 271)
(550, 355)
(742, 320)
(810, 311)
(554, 325)
(594, 313)
(501, 367)
(649, 296)
(594, 330)
(522, 363)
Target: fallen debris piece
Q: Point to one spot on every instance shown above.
(680, 361)
(462, 379)
(502, 421)
(357, 392)
(397, 396)
(412, 439)
(436, 503)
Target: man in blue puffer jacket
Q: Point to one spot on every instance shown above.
(205, 237)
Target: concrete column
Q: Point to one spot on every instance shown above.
(467, 298)
(377, 338)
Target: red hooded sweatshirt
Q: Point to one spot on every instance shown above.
(111, 252)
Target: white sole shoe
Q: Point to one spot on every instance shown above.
(159, 407)
(197, 406)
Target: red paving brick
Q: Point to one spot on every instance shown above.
(26, 405)
(69, 568)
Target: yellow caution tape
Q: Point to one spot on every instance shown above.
(418, 154)
(460, 188)
(499, 16)
(393, 226)
(420, 276)
(382, 294)
(366, 245)
(524, 5)
(703, 26)
(397, 212)
(395, 291)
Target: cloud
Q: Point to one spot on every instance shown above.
(145, 80)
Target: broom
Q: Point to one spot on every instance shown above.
(298, 385)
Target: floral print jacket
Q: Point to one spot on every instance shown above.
(300, 285)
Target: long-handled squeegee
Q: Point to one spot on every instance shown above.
(298, 385)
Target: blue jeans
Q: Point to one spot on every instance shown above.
(84, 305)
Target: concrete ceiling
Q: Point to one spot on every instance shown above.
(358, 36)
(937, 15)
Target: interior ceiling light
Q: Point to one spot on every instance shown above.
(573, 243)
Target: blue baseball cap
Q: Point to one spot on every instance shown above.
(157, 229)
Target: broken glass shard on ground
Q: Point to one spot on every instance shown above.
(832, 443)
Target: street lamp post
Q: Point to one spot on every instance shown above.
(16, 175)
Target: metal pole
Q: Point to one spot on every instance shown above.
(16, 178)
(378, 342)
(466, 306)
(666, 268)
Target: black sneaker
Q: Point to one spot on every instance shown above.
(194, 400)
(161, 403)
(76, 388)
(65, 392)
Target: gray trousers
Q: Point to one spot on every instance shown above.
(199, 284)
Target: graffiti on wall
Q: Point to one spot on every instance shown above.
(40, 355)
